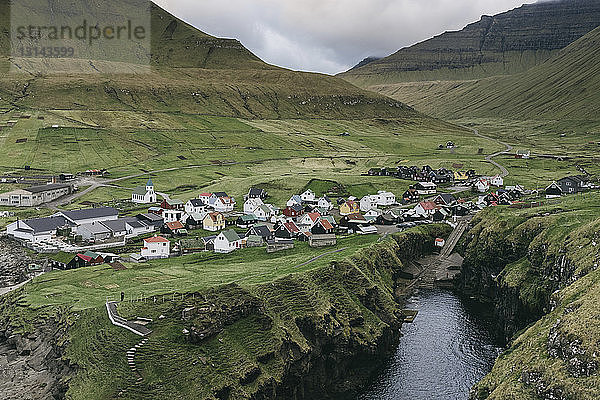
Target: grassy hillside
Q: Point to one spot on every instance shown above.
(564, 87)
(538, 268)
(192, 72)
(506, 43)
(320, 328)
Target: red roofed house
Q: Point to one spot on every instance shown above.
(174, 228)
(426, 208)
(156, 247)
(322, 227)
(286, 230)
(309, 219)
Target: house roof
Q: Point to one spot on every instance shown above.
(176, 225)
(220, 194)
(296, 207)
(141, 190)
(149, 183)
(156, 239)
(89, 213)
(296, 198)
(256, 192)
(45, 188)
(150, 217)
(447, 198)
(248, 217)
(196, 203)
(117, 225)
(231, 235)
(326, 224)
(428, 205)
(261, 230)
(225, 199)
(427, 184)
(62, 257)
(356, 217)
(95, 228)
(291, 227)
(40, 225)
(174, 202)
(314, 216)
(84, 257)
(92, 254)
(213, 216)
(264, 208)
(205, 194)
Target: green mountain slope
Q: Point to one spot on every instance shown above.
(566, 86)
(192, 72)
(507, 43)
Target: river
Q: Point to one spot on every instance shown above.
(441, 355)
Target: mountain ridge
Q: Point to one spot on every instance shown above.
(507, 43)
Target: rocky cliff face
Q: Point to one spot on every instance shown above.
(318, 334)
(539, 272)
(506, 43)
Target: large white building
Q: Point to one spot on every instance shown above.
(34, 196)
(144, 194)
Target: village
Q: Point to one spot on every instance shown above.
(216, 222)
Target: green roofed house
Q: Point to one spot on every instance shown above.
(228, 241)
(144, 194)
(62, 260)
(95, 257)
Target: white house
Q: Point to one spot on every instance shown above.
(172, 215)
(308, 196)
(325, 203)
(227, 241)
(224, 204)
(482, 185)
(426, 188)
(295, 199)
(252, 204)
(263, 212)
(144, 194)
(156, 247)
(497, 181)
(368, 203)
(385, 198)
(426, 208)
(195, 206)
(207, 198)
(308, 220)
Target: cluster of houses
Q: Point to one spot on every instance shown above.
(425, 174)
(305, 217)
(87, 228)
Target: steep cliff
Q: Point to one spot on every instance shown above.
(318, 334)
(538, 270)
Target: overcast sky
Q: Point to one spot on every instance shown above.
(330, 36)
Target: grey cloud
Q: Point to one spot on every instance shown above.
(330, 36)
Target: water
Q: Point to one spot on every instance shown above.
(441, 355)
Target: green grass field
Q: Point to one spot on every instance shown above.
(88, 287)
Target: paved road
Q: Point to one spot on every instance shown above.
(489, 158)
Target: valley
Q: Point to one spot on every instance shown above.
(321, 188)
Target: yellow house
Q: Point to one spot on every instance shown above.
(461, 176)
(214, 222)
(349, 207)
